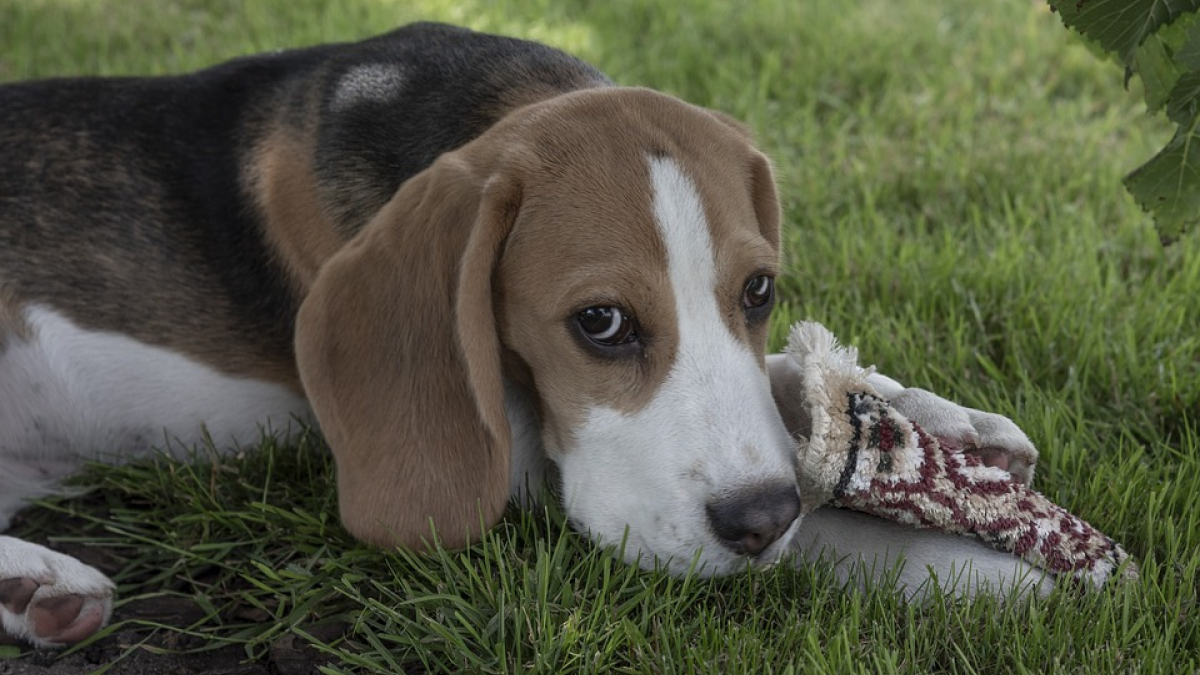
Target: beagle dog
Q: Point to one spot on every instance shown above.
(474, 262)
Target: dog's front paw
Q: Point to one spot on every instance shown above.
(994, 438)
(49, 599)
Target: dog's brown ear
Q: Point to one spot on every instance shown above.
(397, 349)
(761, 181)
(732, 122)
(765, 198)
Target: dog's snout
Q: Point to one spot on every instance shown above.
(750, 520)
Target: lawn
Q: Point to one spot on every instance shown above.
(950, 173)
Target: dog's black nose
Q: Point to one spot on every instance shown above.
(750, 520)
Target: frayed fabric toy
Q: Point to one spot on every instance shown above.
(863, 455)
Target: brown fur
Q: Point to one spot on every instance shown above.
(280, 178)
(406, 387)
(586, 230)
(738, 193)
(237, 217)
(410, 315)
(475, 272)
(12, 320)
(596, 187)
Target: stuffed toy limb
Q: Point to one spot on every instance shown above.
(971, 477)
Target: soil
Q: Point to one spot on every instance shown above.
(150, 651)
(138, 652)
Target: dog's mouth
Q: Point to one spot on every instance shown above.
(708, 559)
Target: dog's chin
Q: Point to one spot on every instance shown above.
(705, 564)
(708, 560)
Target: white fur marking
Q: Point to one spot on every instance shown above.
(370, 83)
(709, 431)
(529, 465)
(69, 393)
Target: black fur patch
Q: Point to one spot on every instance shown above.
(121, 199)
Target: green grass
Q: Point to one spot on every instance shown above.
(951, 178)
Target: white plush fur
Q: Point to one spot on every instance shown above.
(817, 360)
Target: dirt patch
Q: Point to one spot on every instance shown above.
(145, 651)
(142, 651)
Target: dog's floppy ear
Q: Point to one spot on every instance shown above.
(397, 349)
(761, 181)
(765, 199)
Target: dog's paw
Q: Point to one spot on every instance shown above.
(49, 599)
(994, 438)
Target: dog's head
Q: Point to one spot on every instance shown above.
(610, 254)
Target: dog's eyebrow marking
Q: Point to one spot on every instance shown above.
(369, 83)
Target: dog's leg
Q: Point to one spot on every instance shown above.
(67, 394)
(46, 598)
(23, 480)
(866, 549)
(49, 599)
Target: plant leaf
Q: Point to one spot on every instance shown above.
(1188, 55)
(1121, 26)
(1166, 186)
(1184, 100)
(1158, 70)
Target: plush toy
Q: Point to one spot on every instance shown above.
(863, 455)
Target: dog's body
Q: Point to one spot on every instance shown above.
(472, 260)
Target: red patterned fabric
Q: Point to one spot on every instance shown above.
(864, 455)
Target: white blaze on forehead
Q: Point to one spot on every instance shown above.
(373, 82)
(681, 221)
(709, 431)
(716, 377)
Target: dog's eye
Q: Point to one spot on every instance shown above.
(606, 326)
(759, 291)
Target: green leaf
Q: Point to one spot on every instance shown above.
(1158, 70)
(1184, 100)
(1166, 186)
(1188, 54)
(1121, 26)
